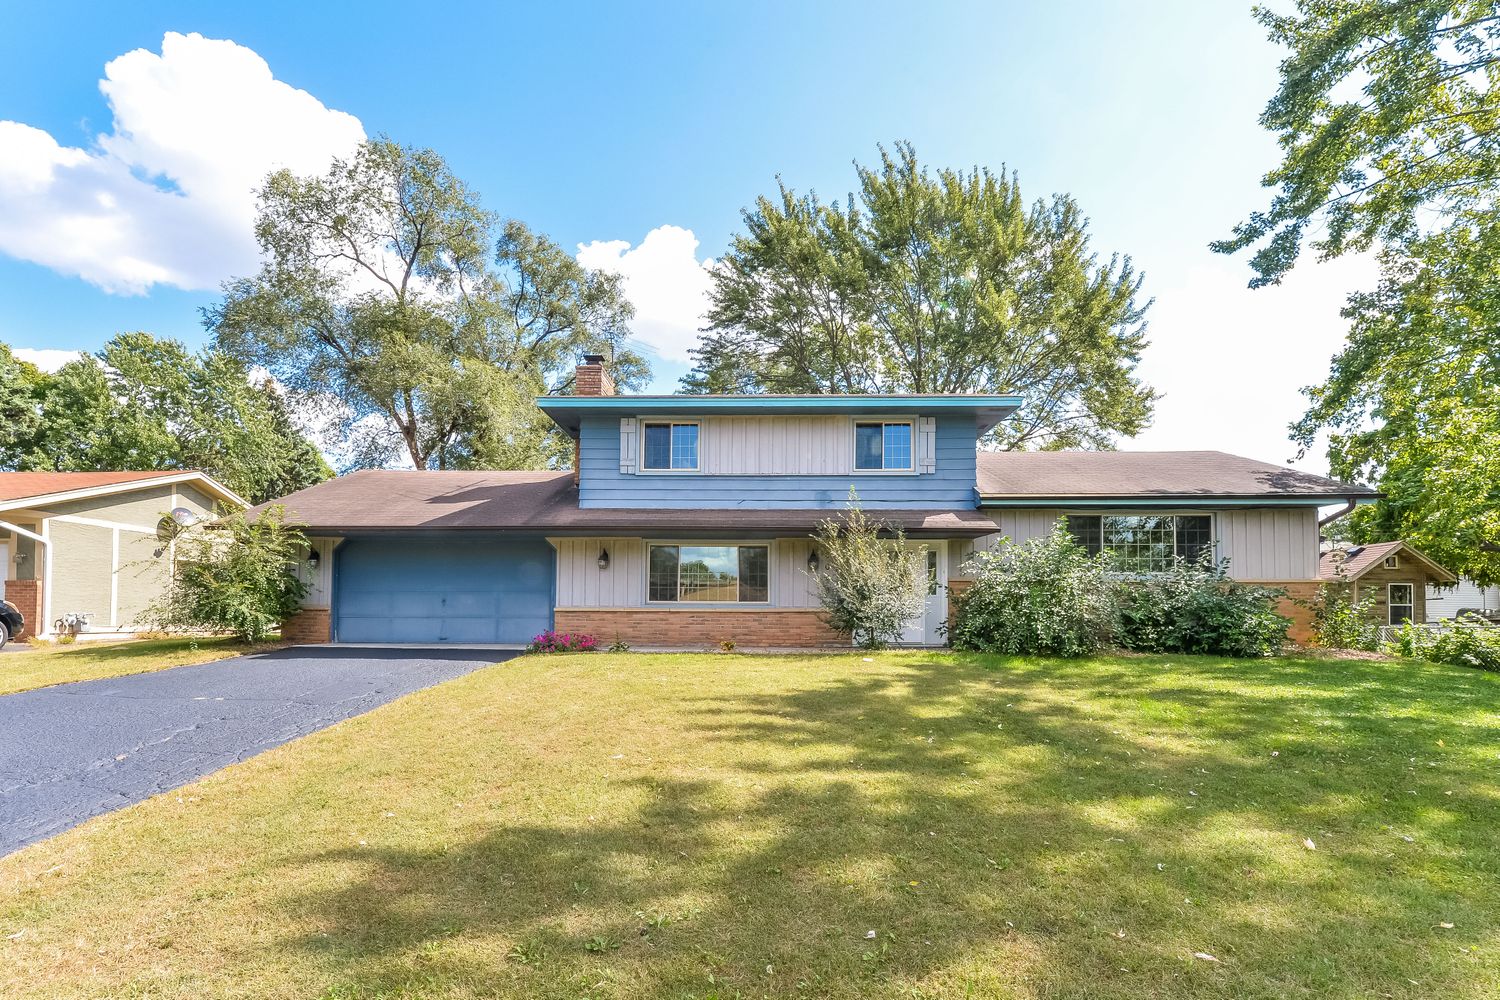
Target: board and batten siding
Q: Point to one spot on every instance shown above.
(776, 462)
(582, 584)
(1261, 543)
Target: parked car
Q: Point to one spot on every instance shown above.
(11, 621)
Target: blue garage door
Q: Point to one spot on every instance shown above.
(442, 590)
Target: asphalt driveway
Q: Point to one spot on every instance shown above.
(77, 750)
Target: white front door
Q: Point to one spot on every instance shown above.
(932, 570)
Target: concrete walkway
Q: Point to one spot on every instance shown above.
(78, 750)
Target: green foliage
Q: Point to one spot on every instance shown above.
(144, 403)
(1195, 607)
(1340, 622)
(388, 298)
(236, 575)
(1453, 643)
(1387, 112)
(1045, 596)
(932, 283)
(868, 581)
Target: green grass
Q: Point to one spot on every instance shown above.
(726, 826)
(86, 661)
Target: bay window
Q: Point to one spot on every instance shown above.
(721, 574)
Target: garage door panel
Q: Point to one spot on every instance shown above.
(443, 590)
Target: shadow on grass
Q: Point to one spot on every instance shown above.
(998, 828)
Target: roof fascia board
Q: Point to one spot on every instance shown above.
(1176, 500)
(41, 500)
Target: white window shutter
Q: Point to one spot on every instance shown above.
(927, 444)
(628, 446)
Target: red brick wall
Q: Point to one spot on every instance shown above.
(307, 626)
(27, 596)
(593, 380)
(1296, 590)
(652, 627)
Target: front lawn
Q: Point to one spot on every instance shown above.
(87, 661)
(916, 826)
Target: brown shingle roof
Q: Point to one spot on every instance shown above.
(1045, 475)
(387, 500)
(27, 485)
(1360, 559)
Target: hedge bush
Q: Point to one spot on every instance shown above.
(1459, 645)
(1196, 608)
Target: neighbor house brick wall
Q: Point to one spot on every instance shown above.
(26, 595)
(646, 627)
(306, 626)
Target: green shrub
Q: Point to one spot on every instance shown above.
(1195, 608)
(1456, 644)
(1339, 622)
(1046, 596)
(235, 575)
(867, 580)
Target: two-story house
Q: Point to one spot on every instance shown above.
(687, 520)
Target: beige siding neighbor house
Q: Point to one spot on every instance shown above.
(86, 549)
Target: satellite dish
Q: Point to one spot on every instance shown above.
(171, 525)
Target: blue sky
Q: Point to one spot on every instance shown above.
(600, 123)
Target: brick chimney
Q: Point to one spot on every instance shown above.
(593, 378)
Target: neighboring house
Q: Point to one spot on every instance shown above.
(687, 519)
(1465, 595)
(86, 543)
(1393, 573)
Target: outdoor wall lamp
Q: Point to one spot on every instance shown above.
(604, 558)
(20, 559)
(313, 559)
(812, 562)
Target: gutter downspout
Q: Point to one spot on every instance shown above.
(41, 628)
(1348, 506)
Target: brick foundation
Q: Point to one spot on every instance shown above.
(650, 627)
(26, 595)
(309, 625)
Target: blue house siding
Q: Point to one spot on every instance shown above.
(602, 484)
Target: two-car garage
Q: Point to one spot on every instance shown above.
(443, 588)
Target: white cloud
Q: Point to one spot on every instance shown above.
(48, 359)
(167, 197)
(1231, 361)
(664, 280)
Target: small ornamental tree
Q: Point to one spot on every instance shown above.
(236, 575)
(1340, 621)
(1046, 596)
(868, 581)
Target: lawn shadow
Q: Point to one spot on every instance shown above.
(997, 830)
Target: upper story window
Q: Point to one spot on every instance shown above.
(670, 447)
(883, 446)
(1144, 543)
(1391, 562)
(735, 574)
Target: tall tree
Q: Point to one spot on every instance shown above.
(144, 403)
(924, 282)
(1387, 110)
(20, 384)
(1389, 116)
(378, 298)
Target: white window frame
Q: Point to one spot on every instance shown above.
(768, 544)
(1391, 604)
(910, 422)
(670, 422)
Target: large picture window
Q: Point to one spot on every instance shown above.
(723, 574)
(1144, 543)
(883, 446)
(670, 447)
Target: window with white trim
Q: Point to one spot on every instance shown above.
(1144, 543)
(1400, 603)
(669, 446)
(719, 574)
(883, 445)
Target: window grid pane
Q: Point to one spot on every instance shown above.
(1085, 530)
(662, 575)
(684, 446)
(658, 454)
(1140, 544)
(897, 446)
(1195, 536)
